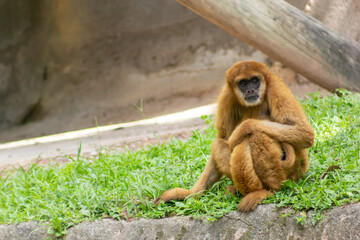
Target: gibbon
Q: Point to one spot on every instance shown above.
(262, 139)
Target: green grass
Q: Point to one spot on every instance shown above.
(123, 185)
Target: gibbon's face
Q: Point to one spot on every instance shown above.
(250, 89)
(247, 82)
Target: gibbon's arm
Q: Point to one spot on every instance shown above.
(299, 136)
(288, 120)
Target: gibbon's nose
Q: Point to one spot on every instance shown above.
(252, 91)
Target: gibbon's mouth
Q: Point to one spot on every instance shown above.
(252, 98)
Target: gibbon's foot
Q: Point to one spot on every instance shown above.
(251, 200)
(157, 201)
(176, 193)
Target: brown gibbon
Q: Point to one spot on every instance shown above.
(262, 139)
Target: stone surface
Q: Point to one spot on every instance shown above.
(97, 230)
(28, 230)
(265, 222)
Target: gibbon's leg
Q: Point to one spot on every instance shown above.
(242, 169)
(255, 169)
(303, 157)
(296, 163)
(267, 157)
(221, 153)
(218, 164)
(209, 176)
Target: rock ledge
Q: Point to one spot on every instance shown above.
(264, 223)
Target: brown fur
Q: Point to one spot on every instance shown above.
(252, 139)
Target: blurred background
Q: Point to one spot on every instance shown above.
(73, 64)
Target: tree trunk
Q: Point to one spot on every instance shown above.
(288, 35)
(341, 15)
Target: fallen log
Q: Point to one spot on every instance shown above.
(288, 35)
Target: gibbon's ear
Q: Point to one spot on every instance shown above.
(229, 75)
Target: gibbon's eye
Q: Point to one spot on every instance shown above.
(242, 83)
(255, 80)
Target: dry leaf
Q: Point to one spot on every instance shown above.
(331, 168)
